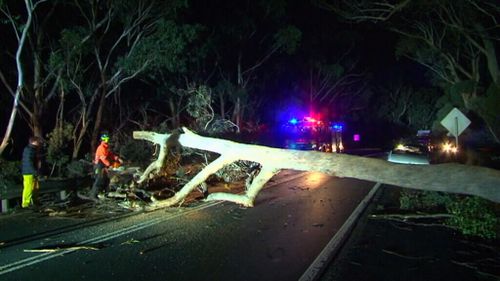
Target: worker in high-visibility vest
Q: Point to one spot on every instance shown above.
(29, 169)
(103, 160)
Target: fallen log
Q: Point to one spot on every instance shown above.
(449, 177)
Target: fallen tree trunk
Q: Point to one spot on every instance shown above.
(450, 177)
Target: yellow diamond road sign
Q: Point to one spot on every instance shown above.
(456, 122)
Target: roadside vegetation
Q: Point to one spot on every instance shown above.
(470, 215)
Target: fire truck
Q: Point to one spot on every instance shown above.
(310, 133)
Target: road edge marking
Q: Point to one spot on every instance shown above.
(326, 255)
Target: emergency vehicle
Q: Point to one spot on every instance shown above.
(310, 133)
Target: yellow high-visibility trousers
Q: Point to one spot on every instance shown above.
(30, 185)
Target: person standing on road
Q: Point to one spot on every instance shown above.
(103, 160)
(29, 170)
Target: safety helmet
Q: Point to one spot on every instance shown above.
(105, 137)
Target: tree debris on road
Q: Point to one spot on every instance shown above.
(51, 250)
(450, 177)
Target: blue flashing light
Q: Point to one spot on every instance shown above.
(337, 127)
(293, 121)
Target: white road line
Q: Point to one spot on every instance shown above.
(324, 258)
(108, 236)
(105, 237)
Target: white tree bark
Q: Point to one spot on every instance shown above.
(450, 177)
(30, 8)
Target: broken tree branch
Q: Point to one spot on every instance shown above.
(449, 177)
(247, 199)
(57, 249)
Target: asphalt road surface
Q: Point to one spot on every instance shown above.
(293, 219)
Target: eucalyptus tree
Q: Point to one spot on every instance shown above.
(406, 105)
(337, 85)
(173, 76)
(244, 40)
(21, 29)
(455, 40)
(122, 41)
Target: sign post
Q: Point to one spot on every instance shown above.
(455, 122)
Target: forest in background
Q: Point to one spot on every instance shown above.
(79, 68)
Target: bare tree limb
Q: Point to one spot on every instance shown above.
(248, 198)
(20, 74)
(450, 177)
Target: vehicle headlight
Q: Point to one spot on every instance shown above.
(449, 148)
(400, 147)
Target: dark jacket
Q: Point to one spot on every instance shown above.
(29, 161)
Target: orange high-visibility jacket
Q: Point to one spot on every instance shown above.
(104, 155)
